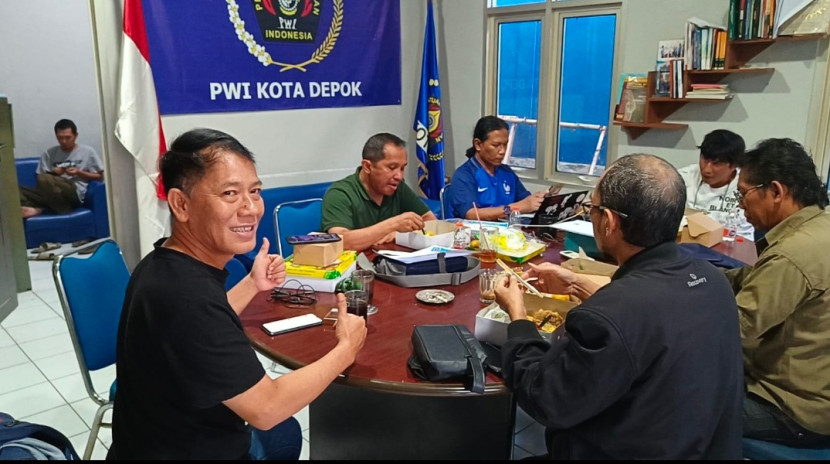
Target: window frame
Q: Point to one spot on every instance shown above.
(552, 15)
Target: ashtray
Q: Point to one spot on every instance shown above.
(434, 296)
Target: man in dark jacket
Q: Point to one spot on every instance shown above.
(648, 366)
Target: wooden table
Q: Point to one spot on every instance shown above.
(378, 409)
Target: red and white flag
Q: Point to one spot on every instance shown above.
(139, 121)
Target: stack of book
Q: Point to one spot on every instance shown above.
(322, 279)
(709, 91)
(705, 45)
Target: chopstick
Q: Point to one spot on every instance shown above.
(517, 276)
(481, 234)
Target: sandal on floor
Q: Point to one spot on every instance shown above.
(43, 256)
(46, 246)
(88, 251)
(80, 243)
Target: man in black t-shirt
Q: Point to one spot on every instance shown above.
(189, 382)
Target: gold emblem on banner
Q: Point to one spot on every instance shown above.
(262, 55)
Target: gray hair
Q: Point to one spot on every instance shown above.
(651, 192)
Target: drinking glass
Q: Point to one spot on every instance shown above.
(363, 279)
(357, 302)
(487, 285)
(488, 243)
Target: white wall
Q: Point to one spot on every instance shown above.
(47, 71)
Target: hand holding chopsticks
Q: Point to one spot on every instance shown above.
(515, 274)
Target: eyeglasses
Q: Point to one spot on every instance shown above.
(740, 196)
(587, 206)
(293, 293)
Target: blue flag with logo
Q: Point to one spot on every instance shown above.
(429, 132)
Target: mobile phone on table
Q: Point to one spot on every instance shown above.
(291, 324)
(312, 238)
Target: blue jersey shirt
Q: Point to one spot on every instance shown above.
(472, 183)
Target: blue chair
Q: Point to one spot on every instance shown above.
(296, 218)
(446, 205)
(89, 221)
(760, 450)
(236, 272)
(91, 290)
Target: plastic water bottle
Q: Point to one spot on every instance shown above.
(731, 229)
(462, 237)
(515, 218)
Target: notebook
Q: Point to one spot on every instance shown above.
(558, 207)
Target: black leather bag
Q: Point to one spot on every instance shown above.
(446, 351)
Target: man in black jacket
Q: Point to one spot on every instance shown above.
(648, 366)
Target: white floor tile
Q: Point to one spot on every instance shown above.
(63, 418)
(86, 408)
(99, 452)
(25, 299)
(532, 439)
(31, 400)
(31, 313)
(302, 418)
(102, 380)
(48, 346)
(71, 387)
(12, 356)
(36, 330)
(59, 365)
(306, 451)
(20, 376)
(5, 339)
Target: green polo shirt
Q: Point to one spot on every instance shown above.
(347, 204)
(784, 309)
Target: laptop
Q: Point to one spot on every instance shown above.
(558, 207)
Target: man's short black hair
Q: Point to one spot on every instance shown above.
(722, 146)
(651, 192)
(192, 154)
(66, 124)
(786, 161)
(373, 148)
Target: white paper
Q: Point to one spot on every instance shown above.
(786, 9)
(576, 227)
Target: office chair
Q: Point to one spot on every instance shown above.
(296, 218)
(446, 206)
(236, 272)
(91, 290)
(760, 450)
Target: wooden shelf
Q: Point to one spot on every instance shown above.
(738, 53)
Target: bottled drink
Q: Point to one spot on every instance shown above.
(514, 220)
(461, 239)
(731, 227)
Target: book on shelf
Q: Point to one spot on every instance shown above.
(336, 270)
(668, 53)
(705, 48)
(709, 96)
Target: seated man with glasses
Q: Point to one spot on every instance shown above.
(648, 366)
(784, 300)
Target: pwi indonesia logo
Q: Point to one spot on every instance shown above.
(288, 21)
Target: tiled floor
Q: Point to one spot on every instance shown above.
(40, 381)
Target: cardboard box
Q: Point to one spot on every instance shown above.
(597, 271)
(442, 233)
(702, 229)
(318, 254)
(495, 332)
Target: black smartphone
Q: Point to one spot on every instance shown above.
(312, 238)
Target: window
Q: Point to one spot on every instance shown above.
(550, 76)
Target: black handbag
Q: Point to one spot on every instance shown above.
(446, 351)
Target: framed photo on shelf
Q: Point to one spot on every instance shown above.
(667, 51)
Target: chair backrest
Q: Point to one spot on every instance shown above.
(91, 290)
(446, 206)
(296, 218)
(236, 272)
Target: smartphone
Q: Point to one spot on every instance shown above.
(312, 238)
(291, 324)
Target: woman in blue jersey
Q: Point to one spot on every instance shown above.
(483, 179)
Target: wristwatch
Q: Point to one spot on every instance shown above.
(507, 211)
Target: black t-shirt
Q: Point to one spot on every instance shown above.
(181, 351)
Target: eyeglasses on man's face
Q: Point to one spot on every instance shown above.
(587, 206)
(741, 196)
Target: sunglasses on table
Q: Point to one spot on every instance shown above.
(293, 293)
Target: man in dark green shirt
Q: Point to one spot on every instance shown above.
(369, 206)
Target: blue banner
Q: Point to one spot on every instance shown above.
(429, 131)
(258, 55)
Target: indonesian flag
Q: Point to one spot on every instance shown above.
(139, 122)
